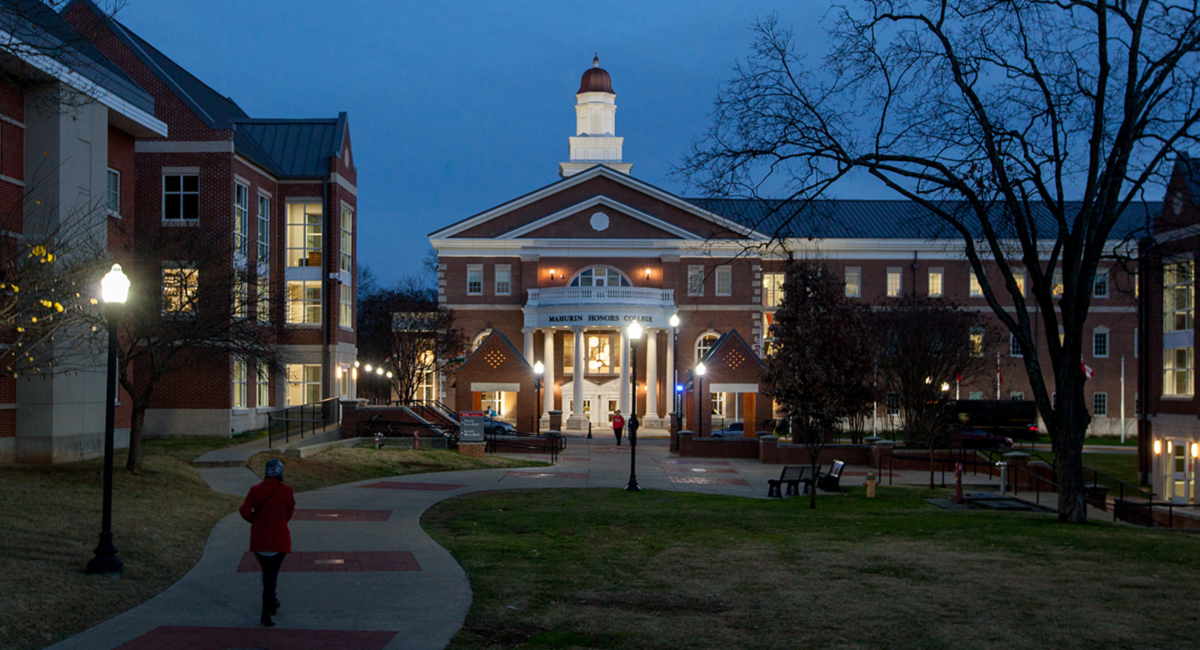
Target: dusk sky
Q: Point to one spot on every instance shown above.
(456, 107)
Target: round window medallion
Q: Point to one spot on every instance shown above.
(599, 221)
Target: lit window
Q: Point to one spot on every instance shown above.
(935, 283)
(695, 281)
(304, 303)
(503, 280)
(1177, 372)
(239, 384)
(976, 291)
(599, 277)
(724, 281)
(1100, 404)
(704, 344)
(180, 286)
(114, 192)
(1014, 347)
(181, 197)
(347, 243)
(303, 384)
(241, 299)
(262, 310)
(1100, 285)
(475, 280)
(893, 283)
(305, 229)
(1058, 283)
(262, 384)
(718, 404)
(241, 219)
(853, 282)
(1019, 278)
(1100, 343)
(1177, 297)
(976, 343)
(772, 289)
(891, 402)
(346, 317)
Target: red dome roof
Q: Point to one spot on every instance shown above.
(595, 80)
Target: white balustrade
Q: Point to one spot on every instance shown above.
(637, 296)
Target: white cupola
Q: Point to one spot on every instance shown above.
(595, 141)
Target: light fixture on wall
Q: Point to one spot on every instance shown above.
(1195, 450)
(551, 274)
(647, 274)
(1157, 447)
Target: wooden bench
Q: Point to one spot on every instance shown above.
(791, 476)
(831, 481)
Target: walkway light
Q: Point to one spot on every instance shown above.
(635, 331)
(368, 367)
(389, 375)
(635, 335)
(674, 320)
(379, 371)
(700, 369)
(539, 369)
(114, 288)
(945, 387)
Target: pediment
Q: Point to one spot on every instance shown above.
(600, 218)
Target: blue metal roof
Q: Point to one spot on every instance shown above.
(293, 148)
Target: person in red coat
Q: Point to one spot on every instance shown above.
(618, 426)
(269, 507)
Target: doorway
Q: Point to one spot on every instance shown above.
(1178, 474)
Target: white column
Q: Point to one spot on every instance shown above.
(528, 331)
(548, 377)
(623, 382)
(577, 381)
(670, 370)
(652, 374)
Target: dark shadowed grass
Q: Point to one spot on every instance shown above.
(609, 569)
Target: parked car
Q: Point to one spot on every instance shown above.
(733, 430)
(980, 439)
(498, 428)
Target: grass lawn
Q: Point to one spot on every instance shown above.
(609, 569)
(347, 464)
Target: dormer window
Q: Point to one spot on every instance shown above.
(599, 277)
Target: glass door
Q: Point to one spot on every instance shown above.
(1179, 472)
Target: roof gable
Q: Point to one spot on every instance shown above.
(600, 218)
(292, 148)
(496, 354)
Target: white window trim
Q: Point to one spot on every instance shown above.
(941, 273)
(1014, 350)
(1105, 413)
(1107, 342)
(887, 287)
(696, 344)
(1107, 282)
(857, 271)
(162, 193)
(972, 283)
(727, 271)
(113, 213)
(496, 279)
(479, 268)
(692, 269)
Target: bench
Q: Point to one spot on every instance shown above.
(831, 481)
(790, 476)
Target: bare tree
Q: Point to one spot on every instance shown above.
(1026, 128)
(923, 345)
(821, 369)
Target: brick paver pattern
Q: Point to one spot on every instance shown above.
(400, 485)
(228, 638)
(536, 474)
(337, 562)
(302, 514)
(700, 480)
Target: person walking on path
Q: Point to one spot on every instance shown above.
(618, 426)
(269, 507)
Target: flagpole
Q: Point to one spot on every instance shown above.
(875, 402)
(1122, 399)
(997, 376)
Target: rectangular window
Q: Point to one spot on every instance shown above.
(718, 404)
(303, 384)
(893, 283)
(1177, 372)
(241, 299)
(262, 384)
(241, 219)
(347, 306)
(853, 282)
(239, 384)
(347, 243)
(305, 230)
(975, 395)
(304, 303)
(891, 402)
(114, 192)
(1016, 396)
(180, 287)
(1177, 297)
(976, 343)
(935, 283)
(475, 280)
(1099, 344)
(264, 229)
(1100, 405)
(695, 281)
(503, 280)
(724, 281)
(1058, 284)
(181, 197)
(1019, 278)
(1100, 285)
(568, 354)
(975, 290)
(772, 289)
(1014, 347)
(262, 307)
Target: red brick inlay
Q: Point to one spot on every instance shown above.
(693, 462)
(700, 480)
(341, 515)
(537, 474)
(338, 561)
(697, 470)
(425, 487)
(575, 458)
(225, 638)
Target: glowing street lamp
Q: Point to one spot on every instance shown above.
(699, 398)
(635, 337)
(114, 288)
(539, 369)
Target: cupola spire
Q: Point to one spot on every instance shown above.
(595, 141)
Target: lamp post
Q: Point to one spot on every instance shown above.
(635, 335)
(538, 369)
(114, 288)
(676, 396)
(699, 399)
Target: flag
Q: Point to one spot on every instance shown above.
(1087, 370)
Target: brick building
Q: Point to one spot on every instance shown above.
(563, 270)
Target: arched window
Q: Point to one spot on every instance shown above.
(479, 339)
(599, 277)
(705, 343)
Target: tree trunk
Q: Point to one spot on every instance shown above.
(1068, 461)
(133, 463)
(812, 493)
(931, 472)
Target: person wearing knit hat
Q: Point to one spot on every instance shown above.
(269, 507)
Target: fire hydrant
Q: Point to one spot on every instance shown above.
(871, 482)
(958, 474)
(416, 441)
(378, 440)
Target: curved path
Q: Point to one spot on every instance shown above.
(368, 576)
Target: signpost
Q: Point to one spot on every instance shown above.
(470, 426)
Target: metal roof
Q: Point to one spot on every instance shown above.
(292, 148)
(896, 219)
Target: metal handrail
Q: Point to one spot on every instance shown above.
(316, 415)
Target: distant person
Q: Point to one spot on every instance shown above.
(618, 426)
(269, 507)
